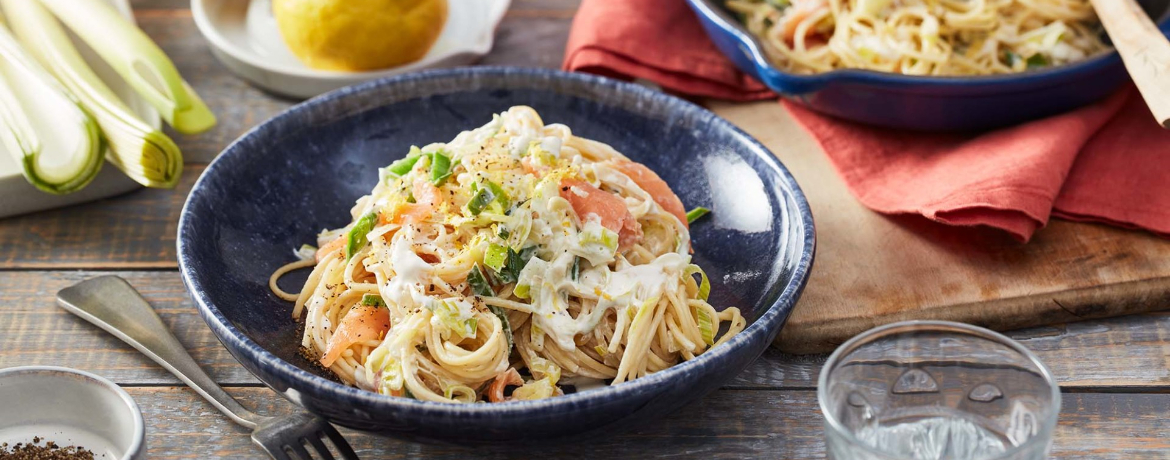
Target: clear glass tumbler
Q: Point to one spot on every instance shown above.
(919, 390)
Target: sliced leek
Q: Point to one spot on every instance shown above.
(44, 127)
(141, 151)
(137, 59)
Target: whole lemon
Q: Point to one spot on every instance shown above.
(356, 35)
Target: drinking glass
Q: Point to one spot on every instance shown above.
(920, 390)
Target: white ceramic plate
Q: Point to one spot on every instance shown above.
(20, 197)
(245, 38)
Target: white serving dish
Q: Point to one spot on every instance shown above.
(245, 38)
(71, 408)
(17, 196)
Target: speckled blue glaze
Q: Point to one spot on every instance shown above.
(279, 184)
(926, 103)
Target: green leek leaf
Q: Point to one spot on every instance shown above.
(137, 59)
(482, 198)
(140, 150)
(706, 326)
(356, 238)
(704, 284)
(401, 167)
(696, 213)
(440, 168)
(496, 257)
(449, 314)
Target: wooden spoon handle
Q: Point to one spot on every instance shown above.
(1143, 48)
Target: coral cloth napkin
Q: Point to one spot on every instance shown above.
(1108, 162)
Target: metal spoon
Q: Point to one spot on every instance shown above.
(109, 302)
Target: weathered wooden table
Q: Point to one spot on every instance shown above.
(1115, 373)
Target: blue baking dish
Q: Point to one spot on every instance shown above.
(927, 103)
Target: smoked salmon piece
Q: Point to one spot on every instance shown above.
(610, 208)
(426, 199)
(330, 247)
(495, 392)
(361, 323)
(654, 185)
(792, 18)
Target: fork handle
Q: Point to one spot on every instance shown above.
(109, 302)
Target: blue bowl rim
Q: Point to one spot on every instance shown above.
(303, 381)
(767, 72)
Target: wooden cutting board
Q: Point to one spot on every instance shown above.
(872, 269)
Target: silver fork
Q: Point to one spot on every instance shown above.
(112, 304)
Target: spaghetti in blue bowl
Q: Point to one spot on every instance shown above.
(430, 374)
(925, 102)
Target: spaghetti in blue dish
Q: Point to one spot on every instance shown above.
(928, 65)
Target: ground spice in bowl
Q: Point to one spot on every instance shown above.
(49, 451)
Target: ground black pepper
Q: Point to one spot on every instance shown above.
(49, 451)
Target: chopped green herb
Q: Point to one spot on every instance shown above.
(356, 238)
(779, 4)
(504, 233)
(373, 300)
(507, 325)
(696, 213)
(1011, 58)
(518, 260)
(506, 262)
(479, 283)
(575, 272)
(1037, 60)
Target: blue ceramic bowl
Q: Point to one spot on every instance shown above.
(282, 182)
(926, 103)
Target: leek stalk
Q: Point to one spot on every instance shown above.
(696, 213)
(137, 59)
(141, 151)
(356, 238)
(43, 126)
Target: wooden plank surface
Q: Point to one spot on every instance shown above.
(726, 425)
(872, 269)
(1129, 352)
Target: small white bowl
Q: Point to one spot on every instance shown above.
(71, 408)
(245, 38)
